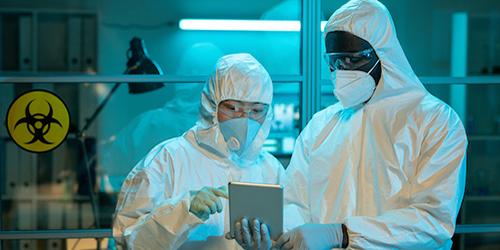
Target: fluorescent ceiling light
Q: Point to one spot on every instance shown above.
(241, 25)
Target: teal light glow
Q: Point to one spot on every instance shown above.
(242, 25)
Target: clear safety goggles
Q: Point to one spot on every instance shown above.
(349, 60)
(254, 111)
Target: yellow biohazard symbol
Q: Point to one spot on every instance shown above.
(38, 121)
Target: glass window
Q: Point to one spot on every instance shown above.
(272, 31)
(192, 51)
(185, 38)
(52, 190)
(425, 31)
(286, 123)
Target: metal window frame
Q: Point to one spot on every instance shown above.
(449, 80)
(169, 79)
(310, 94)
(426, 80)
(108, 233)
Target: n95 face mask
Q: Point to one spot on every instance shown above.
(352, 87)
(239, 133)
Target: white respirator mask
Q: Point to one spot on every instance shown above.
(239, 133)
(353, 87)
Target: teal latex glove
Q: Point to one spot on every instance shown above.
(206, 201)
(312, 236)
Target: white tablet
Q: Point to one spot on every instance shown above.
(261, 201)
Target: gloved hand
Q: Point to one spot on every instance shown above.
(206, 201)
(251, 235)
(312, 236)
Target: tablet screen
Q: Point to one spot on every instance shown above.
(261, 201)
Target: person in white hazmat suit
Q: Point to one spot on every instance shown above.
(176, 197)
(384, 168)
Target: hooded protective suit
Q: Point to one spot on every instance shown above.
(153, 206)
(393, 170)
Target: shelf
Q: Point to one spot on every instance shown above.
(52, 198)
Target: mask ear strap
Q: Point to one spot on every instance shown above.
(378, 61)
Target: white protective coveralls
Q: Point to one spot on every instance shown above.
(393, 170)
(153, 206)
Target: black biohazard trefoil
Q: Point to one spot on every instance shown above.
(38, 124)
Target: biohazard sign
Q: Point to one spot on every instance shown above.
(38, 121)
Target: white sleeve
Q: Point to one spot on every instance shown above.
(437, 188)
(147, 216)
(296, 185)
